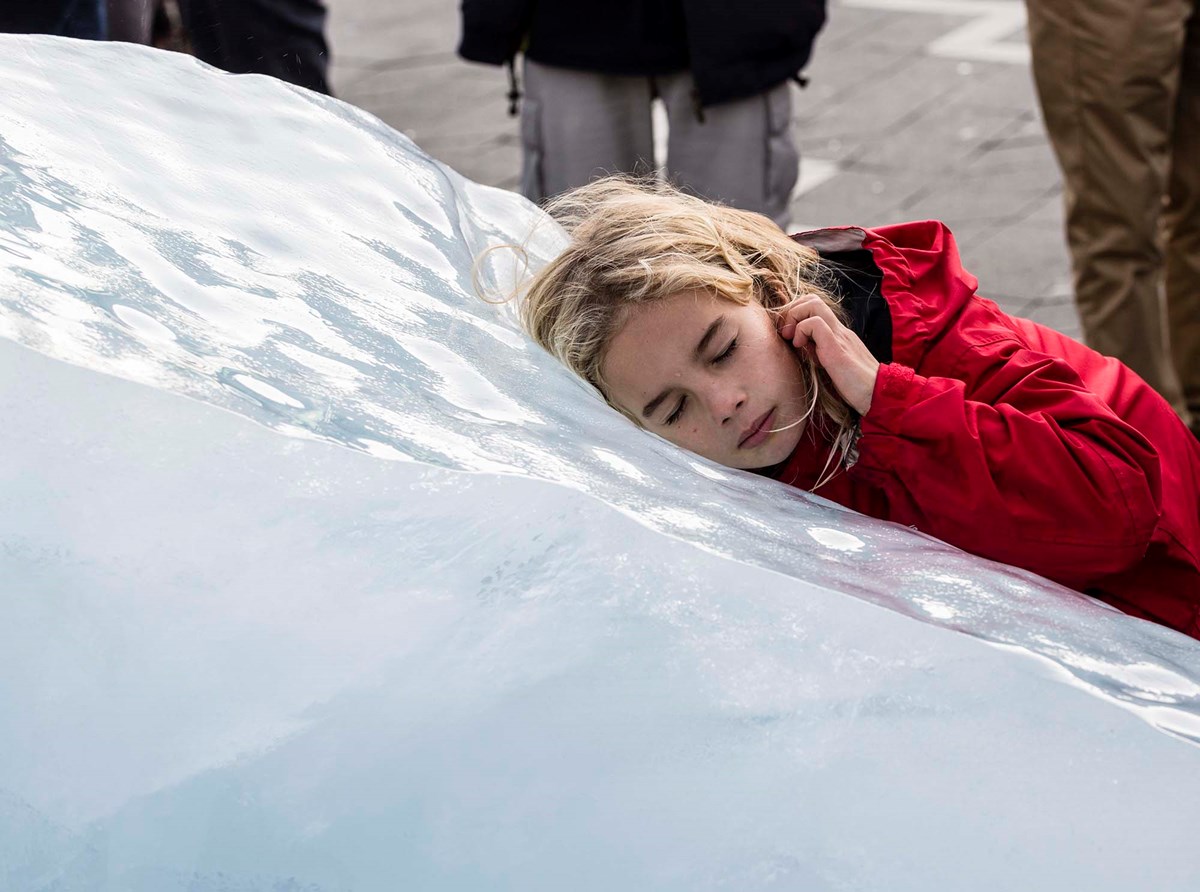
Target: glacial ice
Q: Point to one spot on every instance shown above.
(318, 576)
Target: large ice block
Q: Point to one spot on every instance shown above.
(316, 574)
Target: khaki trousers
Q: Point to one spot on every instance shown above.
(578, 125)
(1119, 84)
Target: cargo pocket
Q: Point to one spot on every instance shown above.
(532, 182)
(783, 161)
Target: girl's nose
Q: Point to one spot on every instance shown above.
(725, 403)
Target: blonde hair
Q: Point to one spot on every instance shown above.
(636, 241)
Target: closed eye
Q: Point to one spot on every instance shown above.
(726, 353)
(674, 416)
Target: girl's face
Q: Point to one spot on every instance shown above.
(710, 375)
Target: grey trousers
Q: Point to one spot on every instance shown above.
(578, 125)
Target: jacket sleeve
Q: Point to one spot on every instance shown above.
(493, 30)
(1014, 459)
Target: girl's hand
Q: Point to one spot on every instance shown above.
(811, 325)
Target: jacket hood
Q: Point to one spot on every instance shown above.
(924, 281)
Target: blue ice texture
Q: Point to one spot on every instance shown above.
(317, 576)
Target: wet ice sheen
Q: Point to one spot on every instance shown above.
(316, 575)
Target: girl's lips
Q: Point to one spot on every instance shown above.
(759, 432)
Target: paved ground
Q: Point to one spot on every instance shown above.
(916, 109)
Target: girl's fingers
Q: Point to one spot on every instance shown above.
(819, 309)
(799, 331)
(850, 366)
(813, 330)
(804, 307)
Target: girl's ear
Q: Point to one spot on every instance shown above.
(766, 290)
(778, 299)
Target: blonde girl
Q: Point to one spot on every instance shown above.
(862, 365)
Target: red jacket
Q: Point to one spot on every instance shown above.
(1012, 441)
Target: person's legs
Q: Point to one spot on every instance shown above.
(32, 18)
(579, 125)
(282, 38)
(741, 153)
(1182, 225)
(86, 20)
(1107, 73)
(131, 21)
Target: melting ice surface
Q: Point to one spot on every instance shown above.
(316, 575)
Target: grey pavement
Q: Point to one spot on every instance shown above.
(915, 109)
